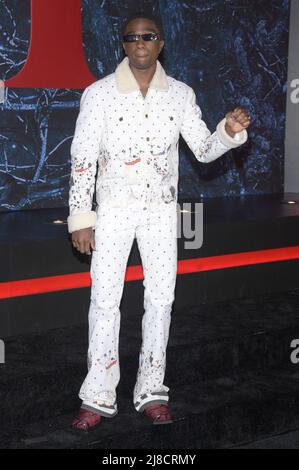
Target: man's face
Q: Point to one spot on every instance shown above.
(142, 54)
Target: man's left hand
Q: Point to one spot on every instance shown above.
(236, 121)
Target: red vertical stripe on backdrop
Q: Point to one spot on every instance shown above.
(56, 57)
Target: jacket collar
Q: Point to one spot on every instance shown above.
(126, 82)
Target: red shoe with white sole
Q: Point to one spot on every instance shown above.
(158, 414)
(86, 420)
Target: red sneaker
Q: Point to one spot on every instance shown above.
(86, 420)
(158, 414)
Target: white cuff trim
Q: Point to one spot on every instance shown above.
(231, 142)
(81, 220)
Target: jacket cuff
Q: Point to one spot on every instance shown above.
(239, 139)
(81, 220)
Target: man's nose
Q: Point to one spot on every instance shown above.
(140, 41)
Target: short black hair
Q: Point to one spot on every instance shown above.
(148, 16)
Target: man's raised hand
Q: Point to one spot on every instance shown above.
(236, 121)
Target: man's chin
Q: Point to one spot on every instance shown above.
(141, 63)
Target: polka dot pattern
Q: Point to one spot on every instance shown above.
(134, 141)
(156, 235)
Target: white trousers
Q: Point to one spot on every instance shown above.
(156, 232)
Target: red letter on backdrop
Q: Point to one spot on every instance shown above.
(56, 56)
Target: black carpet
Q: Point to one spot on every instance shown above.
(229, 371)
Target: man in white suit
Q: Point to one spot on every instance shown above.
(129, 123)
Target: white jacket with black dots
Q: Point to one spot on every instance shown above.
(134, 141)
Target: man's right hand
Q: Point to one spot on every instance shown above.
(84, 240)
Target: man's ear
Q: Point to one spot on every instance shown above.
(161, 45)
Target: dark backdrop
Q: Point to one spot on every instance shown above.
(232, 52)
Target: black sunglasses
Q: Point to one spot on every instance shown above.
(136, 37)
